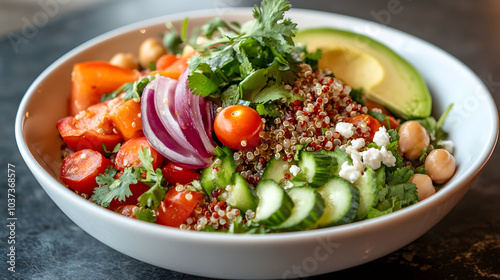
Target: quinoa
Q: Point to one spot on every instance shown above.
(310, 122)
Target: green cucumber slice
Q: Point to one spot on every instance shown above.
(274, 206)
(315, 167)
(308, 209)
(368, 192)
(276, 169)
(241, 195)
(341, 202)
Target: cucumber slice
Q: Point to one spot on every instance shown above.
(340, 157)
(308, 209)
(316, 167)
(341, 202)
(276, 169)
(218, 175)
(241, 195)
(368, 192)
(274, 206)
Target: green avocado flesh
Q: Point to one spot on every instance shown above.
(362, 62)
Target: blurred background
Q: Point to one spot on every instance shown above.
(35, 33)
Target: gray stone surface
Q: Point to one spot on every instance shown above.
(464, 245)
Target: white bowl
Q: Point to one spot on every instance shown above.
(283, 255)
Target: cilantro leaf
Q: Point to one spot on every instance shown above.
(172, 41)
(399, 176)
(145, 214)
(111, 188)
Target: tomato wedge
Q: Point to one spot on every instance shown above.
(79, 170)
(372, 123)
(177, 207)
(91, 128)
(178, 174)
(127, 119)
(90, 80)
(128, 155)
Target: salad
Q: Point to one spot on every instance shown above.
(239, 129)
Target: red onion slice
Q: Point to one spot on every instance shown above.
(161, 140)
(164, 104)
(189, 117)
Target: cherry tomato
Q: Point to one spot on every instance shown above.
(393, 122)
(127, 211)
(91, 128)
(128, 155)
(178, 206)
(374, 105)
(136, 189)
(238, 127)
(127, 120)
(177, 174)
(79, 170)
(370, 121)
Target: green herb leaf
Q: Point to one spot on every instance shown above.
(145, 214)
(357, 95)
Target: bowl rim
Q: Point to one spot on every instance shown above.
(347, 229)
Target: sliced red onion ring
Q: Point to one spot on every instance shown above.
(187, 110)
(161, 140)
(164, 104)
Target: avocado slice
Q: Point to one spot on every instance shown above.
(362, 62)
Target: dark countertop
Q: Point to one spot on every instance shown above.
(464, 245)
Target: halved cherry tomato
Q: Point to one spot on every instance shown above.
(136, 189)
(127, 211)
(91, 128)
(370, 121)
(374, 105)
(165, 61)
(238, 127)
(177, 174)
(128, 155)
(127, 119)
(393, 123)
(90, 80)
(178, 206)
(79, 170)
(392, 120)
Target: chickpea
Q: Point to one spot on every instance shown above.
(125, 60)
(440, 165)
(424, 185)
(149, 51)
(413, 139)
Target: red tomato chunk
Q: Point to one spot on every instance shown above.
(177, 206)
(79, 170)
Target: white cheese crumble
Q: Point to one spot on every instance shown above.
(381, 137)
(349, 172)
(372, 157)
(294, 169)
(345, 129)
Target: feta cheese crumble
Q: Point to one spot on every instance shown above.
(381, 137)
(345, 129)
(372, 157)
(294, 169)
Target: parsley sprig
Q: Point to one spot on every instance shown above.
(119, 188)
(249, 62)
